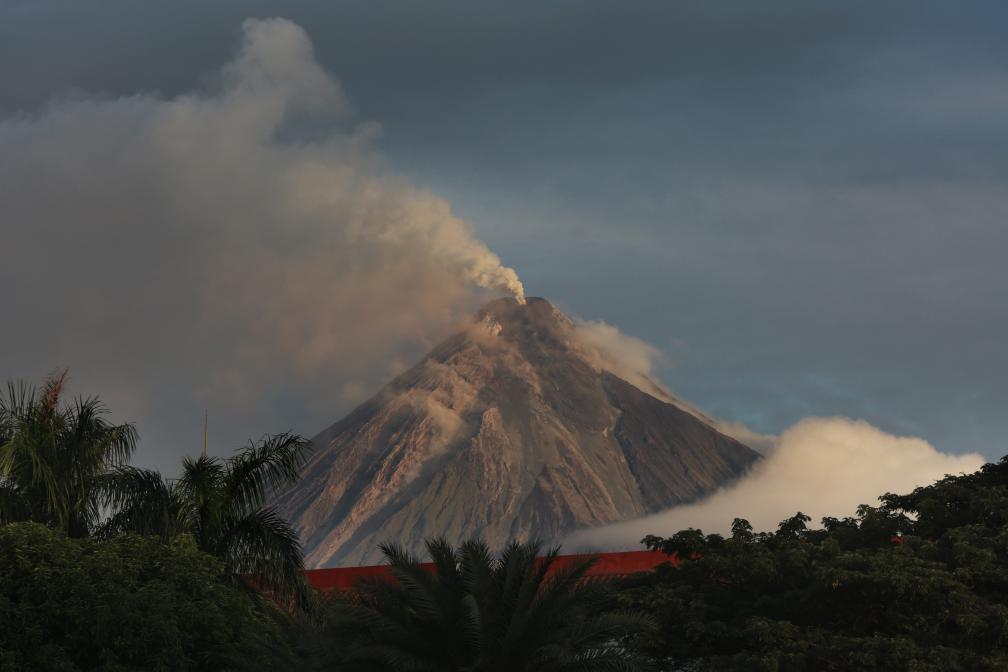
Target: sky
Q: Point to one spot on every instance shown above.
(801, 205)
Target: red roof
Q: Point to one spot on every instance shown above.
(606, 565)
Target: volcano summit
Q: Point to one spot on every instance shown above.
(509, 429)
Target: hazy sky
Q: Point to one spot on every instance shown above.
(803, 204)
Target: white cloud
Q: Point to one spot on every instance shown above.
(821, 466)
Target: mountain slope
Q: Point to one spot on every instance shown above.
(505, 430)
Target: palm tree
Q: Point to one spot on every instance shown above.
(479, 613)
(222, 505)
(52, 458)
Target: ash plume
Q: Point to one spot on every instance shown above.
(238, 245)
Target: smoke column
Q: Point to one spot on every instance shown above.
(238, 247)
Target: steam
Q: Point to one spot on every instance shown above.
(628, 357)
(238, 246)
(821, 466)
(606, 348)
(486, 271)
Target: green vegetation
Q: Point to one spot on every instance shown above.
(128, 603)
(918, 583)
(481, 613)
(104, 566)
(221, 505)
(52, 459)
(158, 583)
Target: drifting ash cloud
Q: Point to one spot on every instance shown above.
(821, 466)
(605, 347)
(238, 248)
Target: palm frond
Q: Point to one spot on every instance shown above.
(480, 612)
(201, 478)
(15, 407)
(28, 441)
(447, 570)
(273, 462)
(377, 630)
(143, 502)
(26, 462)
(13, 505)
(55, 454)
(264, 545)
(200, 487)
(559, 593)
(96, 444)
(419, 586)
(88, 448)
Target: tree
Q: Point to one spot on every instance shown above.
(918, 583)
(795, 526)
(129, 603)
(479, 613)
(221, 504)
(741, 531)
(52, 457)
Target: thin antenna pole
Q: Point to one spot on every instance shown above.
(206, 422)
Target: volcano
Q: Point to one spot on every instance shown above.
(509, 429)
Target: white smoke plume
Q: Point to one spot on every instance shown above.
(634, 360)
(821, 466)
(236, 247)
(630, 358)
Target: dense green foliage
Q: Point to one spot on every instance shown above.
(80, 592)
(221, 505)
(52, 457)
(482, 613)
(60, 466)
(129, 603)
(918, 583)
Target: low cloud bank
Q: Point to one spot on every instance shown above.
(821, 466)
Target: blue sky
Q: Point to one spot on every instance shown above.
(803, 204)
